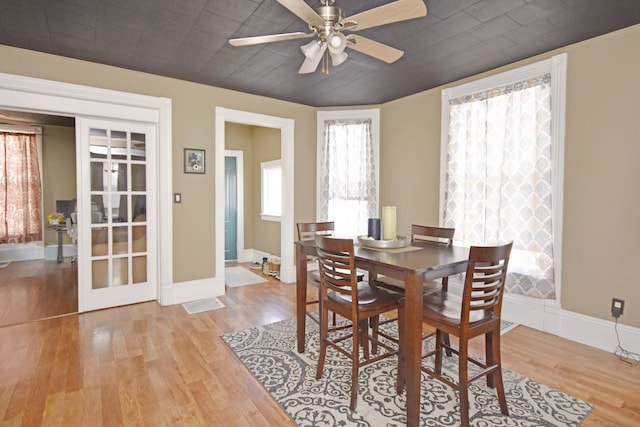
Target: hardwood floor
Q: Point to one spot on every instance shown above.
(146, 364)
(32, 290)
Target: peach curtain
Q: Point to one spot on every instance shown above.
(20, 188)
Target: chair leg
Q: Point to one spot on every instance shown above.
(363, 337)
(401, 379)
(463, 381)
(447, 341)
(438, 362)
(497, 375)
(447, 344)
(489, 357)
(375, 324)
(355, 359)
(324, 326)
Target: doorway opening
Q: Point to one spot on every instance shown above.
(63, 99)
(286, 126)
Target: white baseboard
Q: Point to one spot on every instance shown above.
(68, 250)
(21, 251)
(252, 255)
(546, 316)
(194, 290)
(246, 255)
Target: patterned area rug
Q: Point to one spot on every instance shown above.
(269, 352)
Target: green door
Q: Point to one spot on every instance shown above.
(230, 209)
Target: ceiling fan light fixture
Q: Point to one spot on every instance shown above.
(311, 49)
(337, 43)
(338, 58)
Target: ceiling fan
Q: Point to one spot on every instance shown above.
(328, 23)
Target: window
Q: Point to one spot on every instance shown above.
(347, 192)
(271, 173)
(502, 170)
(20, 185)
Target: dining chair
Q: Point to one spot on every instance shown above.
(428, 234)
(308, 231)
(477, 314)
(341, 293)
(431, 235)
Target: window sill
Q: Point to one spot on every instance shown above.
(273, 218)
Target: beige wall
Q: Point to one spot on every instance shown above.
(193, 109)
(258, 144)
(58, 173)
(267, 148)
(601, 235)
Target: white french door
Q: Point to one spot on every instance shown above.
(117, 194)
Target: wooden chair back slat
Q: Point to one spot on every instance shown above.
(308, 230)
(336, 264)
(485, 279)
(432, 234)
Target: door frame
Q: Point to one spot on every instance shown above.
(286, 126)
(239, 156)
(72, 100)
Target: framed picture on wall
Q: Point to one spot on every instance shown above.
(193, 160)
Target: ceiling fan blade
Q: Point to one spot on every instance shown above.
(310, 65)
(247, 41)
(399, 10)
(303, 11)
(373, 48)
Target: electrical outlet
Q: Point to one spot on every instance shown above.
(617, 307)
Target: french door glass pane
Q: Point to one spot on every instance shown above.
(139, 269)
(118, 201)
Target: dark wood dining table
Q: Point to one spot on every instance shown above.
(414, 265)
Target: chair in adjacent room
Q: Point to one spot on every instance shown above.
(342, 293)
(477, 315)
(72, 231)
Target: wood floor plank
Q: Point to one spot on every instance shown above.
(146, 364)
(37, 289)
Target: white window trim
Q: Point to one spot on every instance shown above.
(372, 114)
(263, 166)
(557, 66)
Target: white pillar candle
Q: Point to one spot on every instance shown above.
(389, 231)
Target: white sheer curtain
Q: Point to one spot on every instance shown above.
(347, 176)
(498, 184)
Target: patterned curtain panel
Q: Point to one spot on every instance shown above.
(20, 189)
(347, 193)
(498, 178)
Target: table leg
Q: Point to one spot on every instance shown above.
(301, 296)
(60, 257)
(413, 345)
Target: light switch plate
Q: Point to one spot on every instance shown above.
(177, 197)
